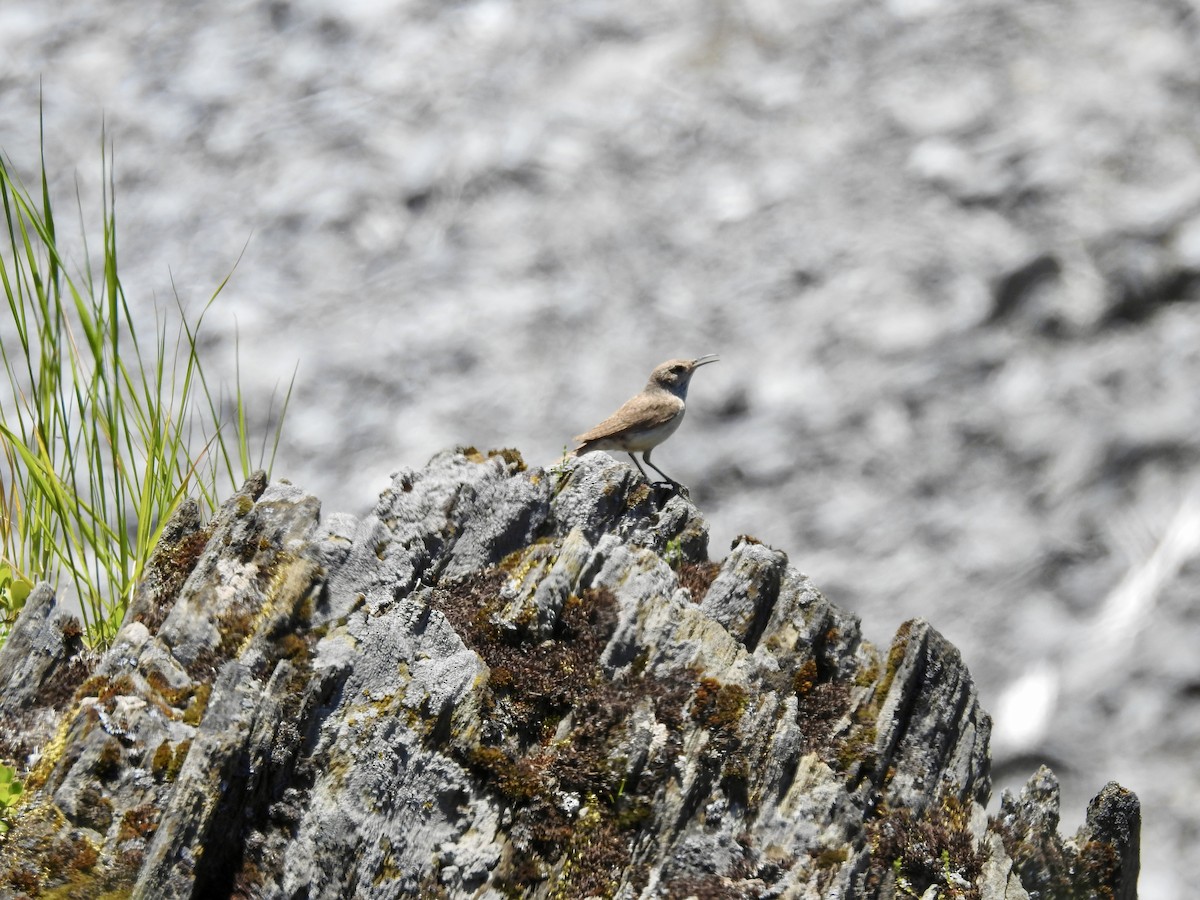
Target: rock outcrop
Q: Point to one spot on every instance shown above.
(509, 683)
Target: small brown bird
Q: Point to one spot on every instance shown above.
(649, 418)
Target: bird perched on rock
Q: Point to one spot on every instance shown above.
(647, 419)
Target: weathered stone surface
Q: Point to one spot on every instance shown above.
(41, 665)
(1100, 860)
(512, 683)
(41, 644)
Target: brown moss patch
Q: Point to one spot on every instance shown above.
(595, 859)
(719, 708)
(697, 577)
(820, 709)
(932, 846)
(109, 761)
(173, 564)
(709, 887)
(552, 723)
(139, 822)
(172, 696)
(1049, 867)
(107, 689)
(805, 678)
(823, 698)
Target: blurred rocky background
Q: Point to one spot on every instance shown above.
(948, 252)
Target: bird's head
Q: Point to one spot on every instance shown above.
(674, 374)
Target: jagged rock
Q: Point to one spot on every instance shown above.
(509, 683)
(1102, 858)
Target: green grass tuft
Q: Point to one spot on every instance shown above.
(106, 430)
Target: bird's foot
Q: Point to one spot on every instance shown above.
(672, 486)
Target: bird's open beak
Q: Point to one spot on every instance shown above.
(705, 360)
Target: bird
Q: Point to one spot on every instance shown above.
(647, 419)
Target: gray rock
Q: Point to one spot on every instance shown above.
(513, 682)
(40, 645)
(41, 665)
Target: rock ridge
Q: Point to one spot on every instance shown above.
(509, 682)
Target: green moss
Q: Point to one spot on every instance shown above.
(594, 859)
(868, 672)
(858, 748)
(174, 696)
(719, 708)
(177, 759)
(541, 553)
(161, 761)
(633, 815)
(198, 704)
(896, 656)
(830, 857)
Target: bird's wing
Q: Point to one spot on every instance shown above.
(638, 414)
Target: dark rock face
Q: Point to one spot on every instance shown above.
(510, 683)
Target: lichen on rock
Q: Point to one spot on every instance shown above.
(510, 682)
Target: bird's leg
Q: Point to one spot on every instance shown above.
(669, 480)
(639, 466)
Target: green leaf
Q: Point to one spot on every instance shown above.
(18, 592)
